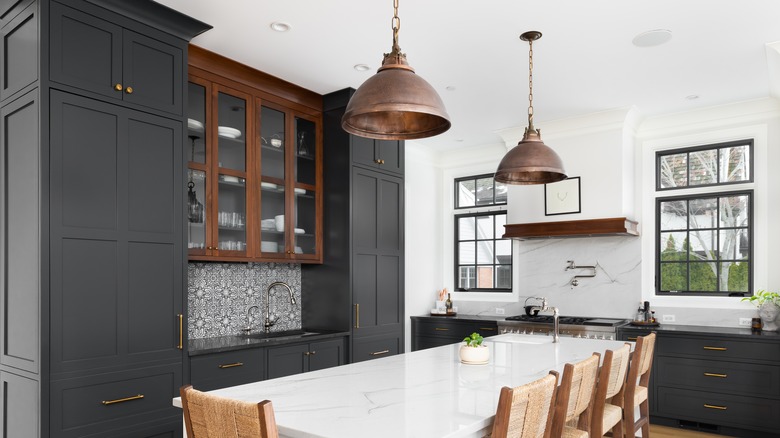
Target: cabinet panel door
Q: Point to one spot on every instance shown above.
(326, 354)
(375, 347)
(229, 368)
(19, 52)
(19, 403)
(391, 152)
(363, 151)
(154, 71)
(388, 297)
(287, 360)
(19, 218)
(85, 51)
(364, 291)
(390, 214)
(364, 209)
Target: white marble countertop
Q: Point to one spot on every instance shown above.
(427, 393)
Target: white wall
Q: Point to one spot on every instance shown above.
(613, 153)
(422, 236)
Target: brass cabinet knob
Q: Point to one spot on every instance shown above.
(129, 90)
(379, 161)
(118, 87)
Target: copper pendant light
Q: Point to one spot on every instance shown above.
(395, 103)
(531, 161)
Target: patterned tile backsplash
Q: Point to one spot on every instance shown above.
(219, 295)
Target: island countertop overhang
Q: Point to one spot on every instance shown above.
(426, 393)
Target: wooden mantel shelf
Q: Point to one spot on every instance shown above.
(618, 226)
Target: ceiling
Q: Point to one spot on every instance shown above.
(469, 51)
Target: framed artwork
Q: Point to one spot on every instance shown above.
(562, 197)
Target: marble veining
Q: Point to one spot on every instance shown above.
(426, 393)
(219, 295)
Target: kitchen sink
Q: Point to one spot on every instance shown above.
(525, 339)
(287, 334)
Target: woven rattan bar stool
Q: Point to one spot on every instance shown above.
(636, 387)
(526, 411)
(607, 411)
(571, 418)
(211, 416)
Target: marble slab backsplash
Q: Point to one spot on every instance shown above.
(614, 292)
(219, 295)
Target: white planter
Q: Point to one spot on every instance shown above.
(474, 355)
(768, 313)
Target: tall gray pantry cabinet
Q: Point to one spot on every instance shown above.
(360, 285)
(92, 265)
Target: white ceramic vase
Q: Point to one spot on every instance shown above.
(474, 355)
(768, 313)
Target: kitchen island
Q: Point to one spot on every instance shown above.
(426, 393)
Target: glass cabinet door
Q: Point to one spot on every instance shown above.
(273, 147)
(305, 205)
(195, 159)
(231, 214)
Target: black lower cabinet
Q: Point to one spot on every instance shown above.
(435, 331)
(230, 368)
(726, 383)
(293, 359)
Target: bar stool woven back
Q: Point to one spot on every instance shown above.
(526, 411)
(571, 418)
(211, 416)
(607, 412)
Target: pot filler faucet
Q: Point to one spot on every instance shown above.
(268, 323)
(546, 308)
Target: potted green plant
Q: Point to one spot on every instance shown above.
(473, 351)
(768, 305)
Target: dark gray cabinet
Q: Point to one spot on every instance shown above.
(230, 368)
(435, 331)
(726, 382)
(101, 57)
(92, 259)
(384, 155)
(293, 359)
(360, 285)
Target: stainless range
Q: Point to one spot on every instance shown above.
(572, 326)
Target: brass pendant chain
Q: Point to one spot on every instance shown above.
(530, 85)
(396, 25)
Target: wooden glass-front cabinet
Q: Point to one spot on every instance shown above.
(254, 176)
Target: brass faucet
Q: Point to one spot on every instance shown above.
(268, 323)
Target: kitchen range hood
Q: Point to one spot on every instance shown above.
(618, 226)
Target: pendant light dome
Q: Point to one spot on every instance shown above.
(531, 161)
(395, 103)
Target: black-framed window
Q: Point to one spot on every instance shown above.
(703, 166)
(479, 191)
(704, 244)
(483, 259)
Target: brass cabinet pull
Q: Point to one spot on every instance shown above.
(715, 348)
(181, 331)
(490, 329)
(377, 353)
(357, 316)
(631, 339)
(441, 329)
(231, 365)
(715, 375)
(122, 400)
(118, 87)
(129, 90)
(312, 353)
(720, 408)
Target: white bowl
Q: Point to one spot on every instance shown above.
(228, 132)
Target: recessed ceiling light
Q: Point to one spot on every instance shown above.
(692, 97)
(652, 38)
(280, 26)
(450, 88)
(361, 67)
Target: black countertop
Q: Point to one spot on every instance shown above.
(742, 333)
(707, 330)
(196, 347)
